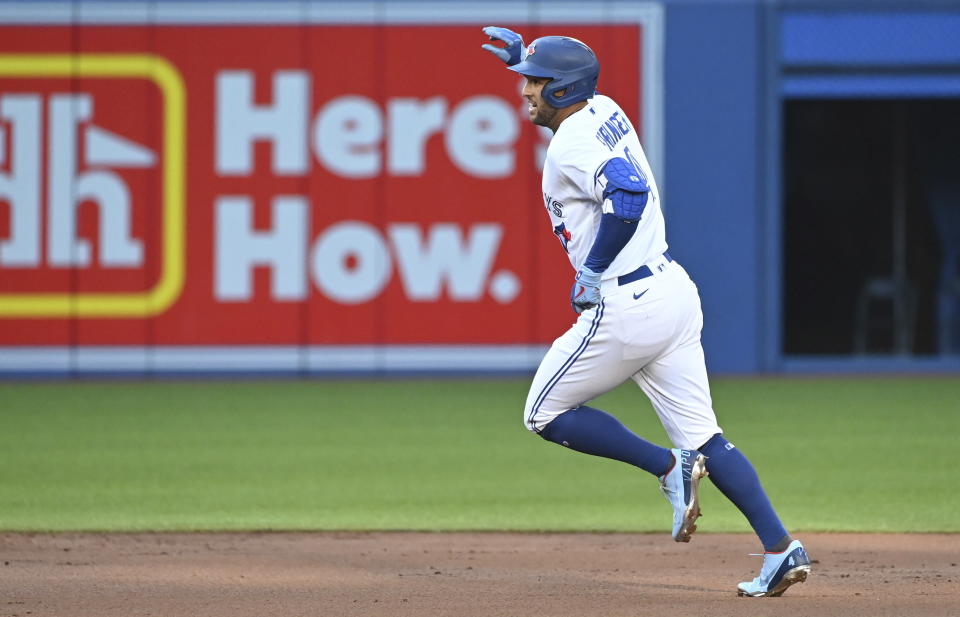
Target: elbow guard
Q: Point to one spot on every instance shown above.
(626, 192)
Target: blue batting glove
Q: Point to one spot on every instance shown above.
(586, 290)
(514, 50)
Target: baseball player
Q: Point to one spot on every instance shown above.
(639, 312)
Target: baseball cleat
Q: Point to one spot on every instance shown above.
(779, 571)
(680, 485)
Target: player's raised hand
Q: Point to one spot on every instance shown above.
(586, 290)
(513, 52)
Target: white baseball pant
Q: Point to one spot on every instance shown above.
(647, 330)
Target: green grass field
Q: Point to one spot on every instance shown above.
(834, 454)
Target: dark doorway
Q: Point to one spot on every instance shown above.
(871, 227)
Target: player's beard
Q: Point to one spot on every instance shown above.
(544, 114)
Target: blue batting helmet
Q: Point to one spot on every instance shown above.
(571, 66)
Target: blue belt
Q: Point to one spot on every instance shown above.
(640, 273)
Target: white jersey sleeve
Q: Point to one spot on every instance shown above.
(573, 185)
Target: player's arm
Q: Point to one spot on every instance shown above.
(625, 194)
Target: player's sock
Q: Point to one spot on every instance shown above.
(736, 478)
(596, 432)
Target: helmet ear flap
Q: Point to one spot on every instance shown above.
(566, 92)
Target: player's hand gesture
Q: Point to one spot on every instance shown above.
(514, 50)
(586, 290)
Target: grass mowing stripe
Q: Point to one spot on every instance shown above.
(835, 454)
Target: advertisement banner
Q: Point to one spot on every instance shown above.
(209, 187)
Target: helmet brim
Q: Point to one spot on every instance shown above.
(533, 70)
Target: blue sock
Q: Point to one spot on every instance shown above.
(736, 478)
(596, 432)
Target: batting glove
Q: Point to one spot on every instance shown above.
(514, 52)
(586, 290)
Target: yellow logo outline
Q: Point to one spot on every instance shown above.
(169, 287)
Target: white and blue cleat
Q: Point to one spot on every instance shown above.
(680, 485)
(779, 571)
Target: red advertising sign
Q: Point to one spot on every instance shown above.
(290, 184)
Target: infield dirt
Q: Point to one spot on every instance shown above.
(463, 574)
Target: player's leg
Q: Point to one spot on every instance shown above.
(582, 364)
(678, 388)
(687, 415)
(600, 352)
(677, 385)
(737, 479)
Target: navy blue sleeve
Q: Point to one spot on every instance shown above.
(613, 235)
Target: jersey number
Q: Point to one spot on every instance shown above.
(635, 164)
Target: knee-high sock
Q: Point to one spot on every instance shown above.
(596, 432)
(736, 478)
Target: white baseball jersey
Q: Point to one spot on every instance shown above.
(573, 185)
(646, 328)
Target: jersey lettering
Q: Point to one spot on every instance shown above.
(553, 205)
(612, 131)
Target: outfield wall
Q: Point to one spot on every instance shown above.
(326, 187)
